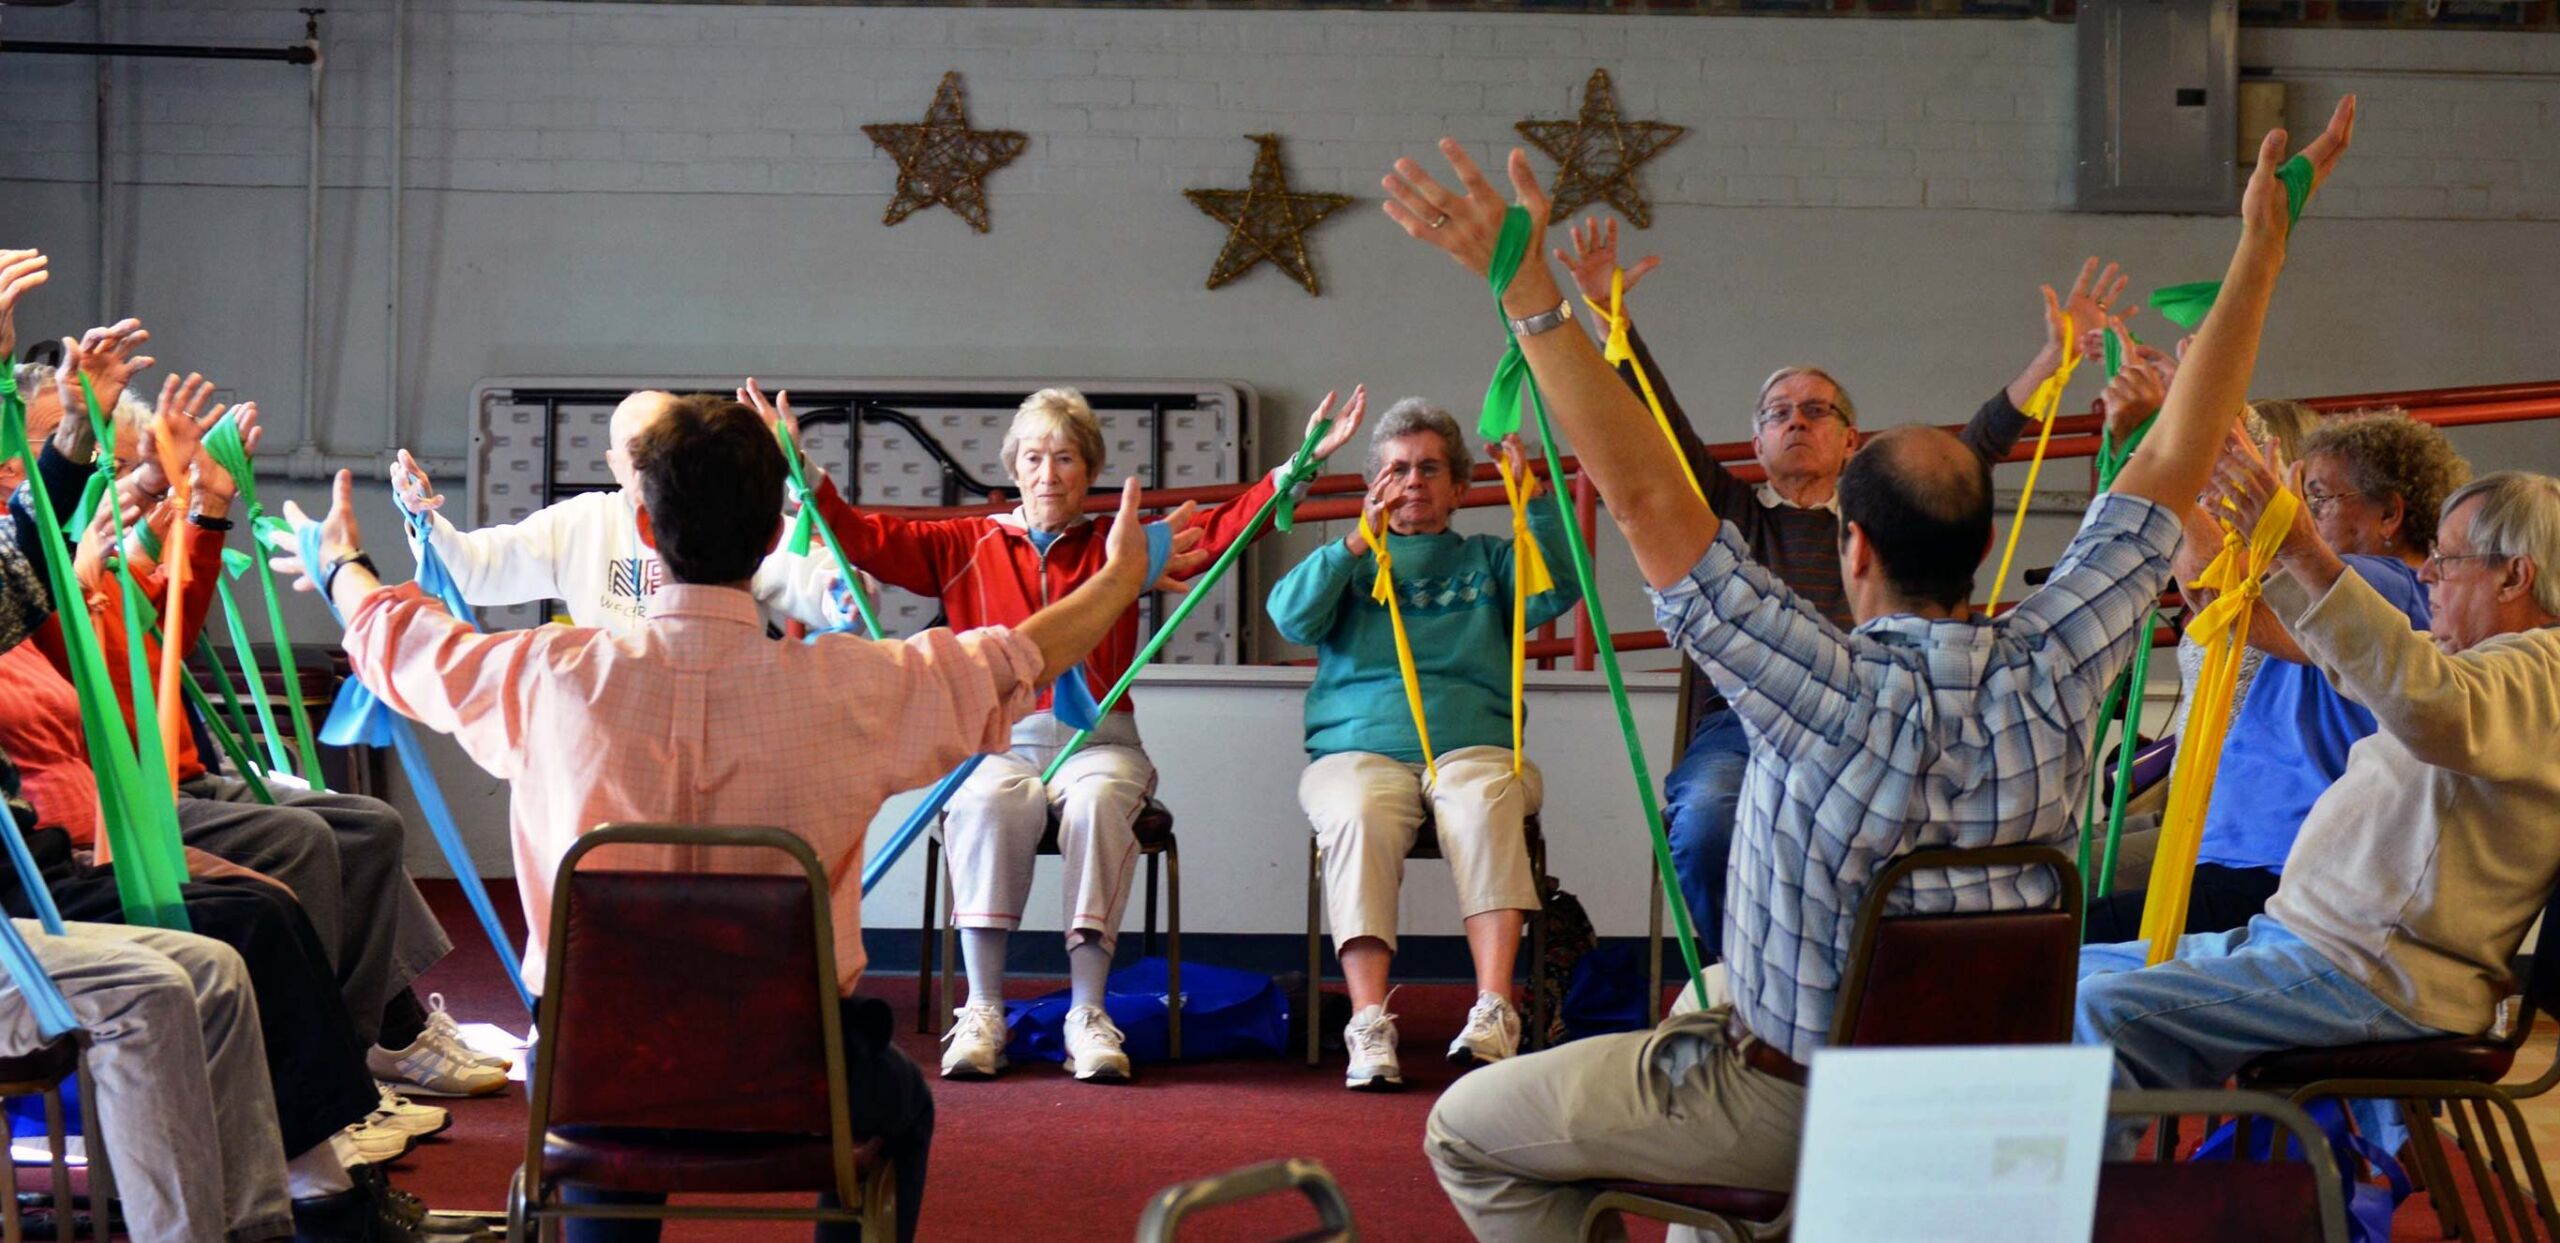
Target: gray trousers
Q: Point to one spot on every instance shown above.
(1516, 1143)
(178, 1069)
(344, 857)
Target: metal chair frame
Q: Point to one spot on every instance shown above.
(937, 938)
(1533, 1029)
(865, 1201)
(2287, 1117)
(1165, 1211)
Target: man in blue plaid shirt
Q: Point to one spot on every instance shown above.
(1926, 726)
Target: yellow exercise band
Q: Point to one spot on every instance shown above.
(1383, 590)
(2043, 407)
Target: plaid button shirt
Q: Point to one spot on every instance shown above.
(1903, 734)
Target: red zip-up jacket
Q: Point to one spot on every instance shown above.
(986, 572)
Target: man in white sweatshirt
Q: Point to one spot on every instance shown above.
(586, 550)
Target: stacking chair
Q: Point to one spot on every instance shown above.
(2460, 1075)
(42, 1073)
(2278, 1200)
(691, 1043)
(1426, 845)
(1970, 978)
(1309, 1178)
(936, 938)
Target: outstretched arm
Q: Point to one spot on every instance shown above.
(2212, 384)
(1612, 433)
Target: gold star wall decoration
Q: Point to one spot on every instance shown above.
(1597, 154)
(1266, 220)
(942, 160)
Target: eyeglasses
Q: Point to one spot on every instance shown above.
(1428, 468)
(2321, 503)
(2438, 560)
(1777, 413)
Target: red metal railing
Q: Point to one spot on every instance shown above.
(1333, 497)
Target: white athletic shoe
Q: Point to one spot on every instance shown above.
(1093, 1047)
(437, 1065)
(974, 1047)
(376, 1145)
(398, 1113)
(1492, 1032)
(442, 1024)
(1371, 1040)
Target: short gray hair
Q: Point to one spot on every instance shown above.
(1412, 417)
(2519, 517)
(1848, 408)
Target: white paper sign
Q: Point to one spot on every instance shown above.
(1978, 1145)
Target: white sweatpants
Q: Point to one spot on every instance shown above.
(1367, 810)
(994, 824)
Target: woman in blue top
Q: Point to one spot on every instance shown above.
(2373, 482)
(1367, 788)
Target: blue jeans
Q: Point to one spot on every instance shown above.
(2227, 997)
(1699, 799)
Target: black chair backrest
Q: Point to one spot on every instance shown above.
(1997, 977)
(690, 1000)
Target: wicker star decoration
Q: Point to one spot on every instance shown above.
(1267, 220)
(942, 160)
(1598, 154)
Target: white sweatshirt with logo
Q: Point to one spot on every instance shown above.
(586, 552)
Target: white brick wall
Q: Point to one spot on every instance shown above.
(1886, 114)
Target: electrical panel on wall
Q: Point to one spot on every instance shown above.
(893, 443)
(2159, 106)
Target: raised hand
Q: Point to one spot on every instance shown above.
(1516, 456)
(1464, 224)
(2092, 295)
(775, 411)
(1374, 507)
(1126, 548)
(339, 536)
(1187, 556)
(2134, 393)
(108, 358)
(409, 486)
(1595, 257)
(207, 476)
(178, 425)
(20, 271)
(1344, 424)
(2264, 211)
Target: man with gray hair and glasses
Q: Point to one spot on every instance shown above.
(2416, 875)
(1370, 778)
(1804, 428)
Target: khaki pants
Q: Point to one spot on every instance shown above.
(996, 819)
(1367, 810)
(1516, 1143)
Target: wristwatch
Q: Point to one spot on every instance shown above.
(1545, 321)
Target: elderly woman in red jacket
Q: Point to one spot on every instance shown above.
(994, 571)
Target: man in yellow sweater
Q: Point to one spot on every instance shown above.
(2416, 876)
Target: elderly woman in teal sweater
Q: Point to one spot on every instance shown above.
(1368, 785)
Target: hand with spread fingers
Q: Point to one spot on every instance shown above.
(1466, 223)
(409, 486)
(1595, 259)
(108, 359)
(180, 422)
(1344, 423)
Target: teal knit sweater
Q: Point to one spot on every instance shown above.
(1456, 595)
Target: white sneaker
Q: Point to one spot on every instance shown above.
(398, 1113)
(376, 1145)
(1492, 1032)
(1093, 1047)
(442, 1024)
(437, 1065)
(974, 1047)
(1371, 1040)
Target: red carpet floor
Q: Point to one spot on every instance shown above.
(1037, 1155)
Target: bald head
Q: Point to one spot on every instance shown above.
(1922, 502)
(637, 413)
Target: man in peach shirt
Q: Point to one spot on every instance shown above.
(700, 719)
